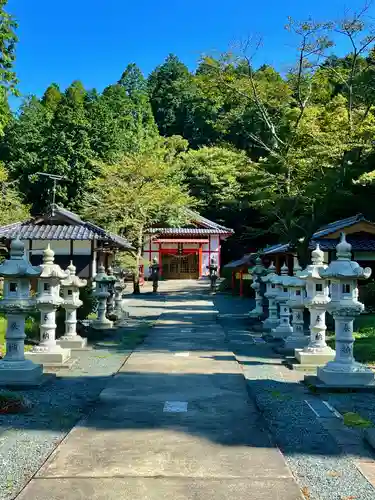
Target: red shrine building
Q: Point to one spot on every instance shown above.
(184, 252)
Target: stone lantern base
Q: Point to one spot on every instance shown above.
(54, 358)
(270, 324)
(314, 357)
(339, 375)
(104, 324)
(73, 342)
(20, 373)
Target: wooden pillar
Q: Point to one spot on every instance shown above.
(277, 263)
(233, 282)
(200, 260)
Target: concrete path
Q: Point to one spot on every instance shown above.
(175, 424)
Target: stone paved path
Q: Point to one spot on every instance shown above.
(176, 423)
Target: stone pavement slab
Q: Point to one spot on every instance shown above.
(160, 489)
(171, 427)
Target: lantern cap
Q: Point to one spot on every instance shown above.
(343, 249)
(284, 270)
(317, 256)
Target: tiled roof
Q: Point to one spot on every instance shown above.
(281, 247)
(184, 230)
(247, 259)
(337, 225)
(325, 231)
(358, 244)
(57, 227)
(209, 227)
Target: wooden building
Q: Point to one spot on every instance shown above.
(185, 252)
(360, 233)
(70, 237)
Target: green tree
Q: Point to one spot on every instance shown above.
(12, 208)
(134, 194)
(304, 143)
(23, 150)
(68, 148)
(8, 79)
(165, 85)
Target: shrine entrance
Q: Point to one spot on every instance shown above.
(182, 267)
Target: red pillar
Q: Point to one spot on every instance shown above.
(160, 260)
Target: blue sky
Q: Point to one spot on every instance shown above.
(93, 40)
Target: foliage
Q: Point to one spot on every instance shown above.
(11, 207)
(274, 156)
(89, 302)
(355, 420)
(135, 193)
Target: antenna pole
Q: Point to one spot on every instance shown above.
(54, 179)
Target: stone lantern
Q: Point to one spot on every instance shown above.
(48, 300)
(70, 288)
(258, 271)
(284, 328)
(17, 304)
(296, 303)
(343, 272)
(111, 291)
(317, 299)
(102, 294)
(271, 291)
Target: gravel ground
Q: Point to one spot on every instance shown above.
(26, 440)
(318, 462)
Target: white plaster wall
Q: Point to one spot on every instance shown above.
(59, 247)
(214, 243)
(205, 247)
(154, 246)
(169, 246)
(81, 247)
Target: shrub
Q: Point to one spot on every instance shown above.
(89, 302)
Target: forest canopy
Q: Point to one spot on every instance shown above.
(271, 154)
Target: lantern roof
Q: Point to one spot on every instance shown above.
(18, 265)
(343, 267)
(312, 271)
(72, 279)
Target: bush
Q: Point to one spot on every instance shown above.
(367, 296)
(89, 302)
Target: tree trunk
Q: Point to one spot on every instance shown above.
(136, 278)
(303, 252)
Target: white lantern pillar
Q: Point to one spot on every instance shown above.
(344, 371)
(271, 291)
(284, 329)
(296, 302)
(48, 300)
(17, 304)
(317, 299)
(70, 288)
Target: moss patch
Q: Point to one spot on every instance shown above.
(352, 419)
